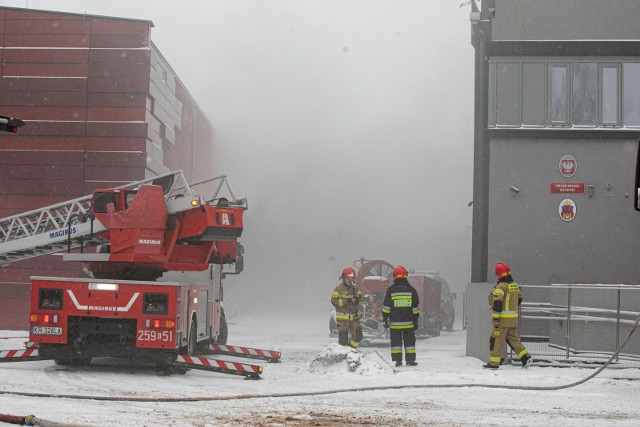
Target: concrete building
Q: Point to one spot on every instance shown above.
(102, 107)
(557, 125)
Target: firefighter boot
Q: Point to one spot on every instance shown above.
(526, 361)
(412, 363)
(398, 363)
(490, 366)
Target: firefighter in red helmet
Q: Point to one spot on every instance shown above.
(400, 313)
(346, 298)
(505, 301)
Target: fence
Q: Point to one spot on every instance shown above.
(580, 324)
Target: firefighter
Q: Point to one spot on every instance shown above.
(346, 298)
(85, 272)
(505, 301)
(400, 313)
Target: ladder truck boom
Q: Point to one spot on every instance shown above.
(156, 293)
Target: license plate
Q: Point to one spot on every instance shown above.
(46, 330)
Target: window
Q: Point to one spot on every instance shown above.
(577, 93)
(558, 105)
(631, 85)
(50, 299)
(156, 303)
(533, 94)
(508, 94)
(610, 99)
(584, 92)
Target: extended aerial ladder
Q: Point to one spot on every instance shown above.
(142, 229)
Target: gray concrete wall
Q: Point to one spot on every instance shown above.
(600, 245)
(566, 20)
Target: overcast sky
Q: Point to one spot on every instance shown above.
(348, 125)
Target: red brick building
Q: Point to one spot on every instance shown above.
(102, 107)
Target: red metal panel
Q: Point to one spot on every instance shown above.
(104, 158)
(106, 114)
(46, 70)
(126, 100)
(45, 187)
(106, 173)
(16, 142)
(119, 55)
(134, 70)
(119, 27)
(119, 85)
(51, 128)
(115, 144)
(59, 158)
(134, 130)
(14, 321)
(116, 41)
(27, 203)
(43, 84)
(41, 171)
(47, 26)
(47, 55)
(49, 113)
(48, 40)
(41, 14)
(41, 99)
(91, 186)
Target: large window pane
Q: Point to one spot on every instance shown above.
(610, 94)
(508, 94)
(533, 93)
(584, 92)
(631, 83)
(558, 94)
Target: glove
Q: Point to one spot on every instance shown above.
(386, 323)
(415, 326)
(496, 323)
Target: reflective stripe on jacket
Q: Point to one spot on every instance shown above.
(509, 296)
(346, 299)
(400, 305)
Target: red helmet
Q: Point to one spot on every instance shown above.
(399, 272)
(502, 270)
(348, 272)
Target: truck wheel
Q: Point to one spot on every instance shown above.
(437, 329)
(224, 331)
(332, 325)
(193, 339)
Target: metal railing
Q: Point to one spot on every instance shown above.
(580, 324)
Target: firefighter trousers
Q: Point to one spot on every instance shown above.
(498, 336)
(399, 337)
(349, 326)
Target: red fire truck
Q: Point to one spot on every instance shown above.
(155, 288)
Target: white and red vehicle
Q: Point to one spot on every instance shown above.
(156, 294)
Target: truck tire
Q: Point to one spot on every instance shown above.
(224, 331)
(332, 325)
(437, 329)
(193, 339)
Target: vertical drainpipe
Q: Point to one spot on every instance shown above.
(480, 39)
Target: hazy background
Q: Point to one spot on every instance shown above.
(348, 125)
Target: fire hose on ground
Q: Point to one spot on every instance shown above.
(45, 423)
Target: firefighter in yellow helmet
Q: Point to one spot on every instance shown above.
(346, 298)
(505, 301)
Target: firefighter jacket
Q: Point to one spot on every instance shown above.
(346, 299)
(400, 305)
(505, 300)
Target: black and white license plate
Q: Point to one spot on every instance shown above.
(46, 330)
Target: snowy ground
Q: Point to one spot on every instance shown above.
(608, 399)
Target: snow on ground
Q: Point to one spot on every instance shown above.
(312, 362)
